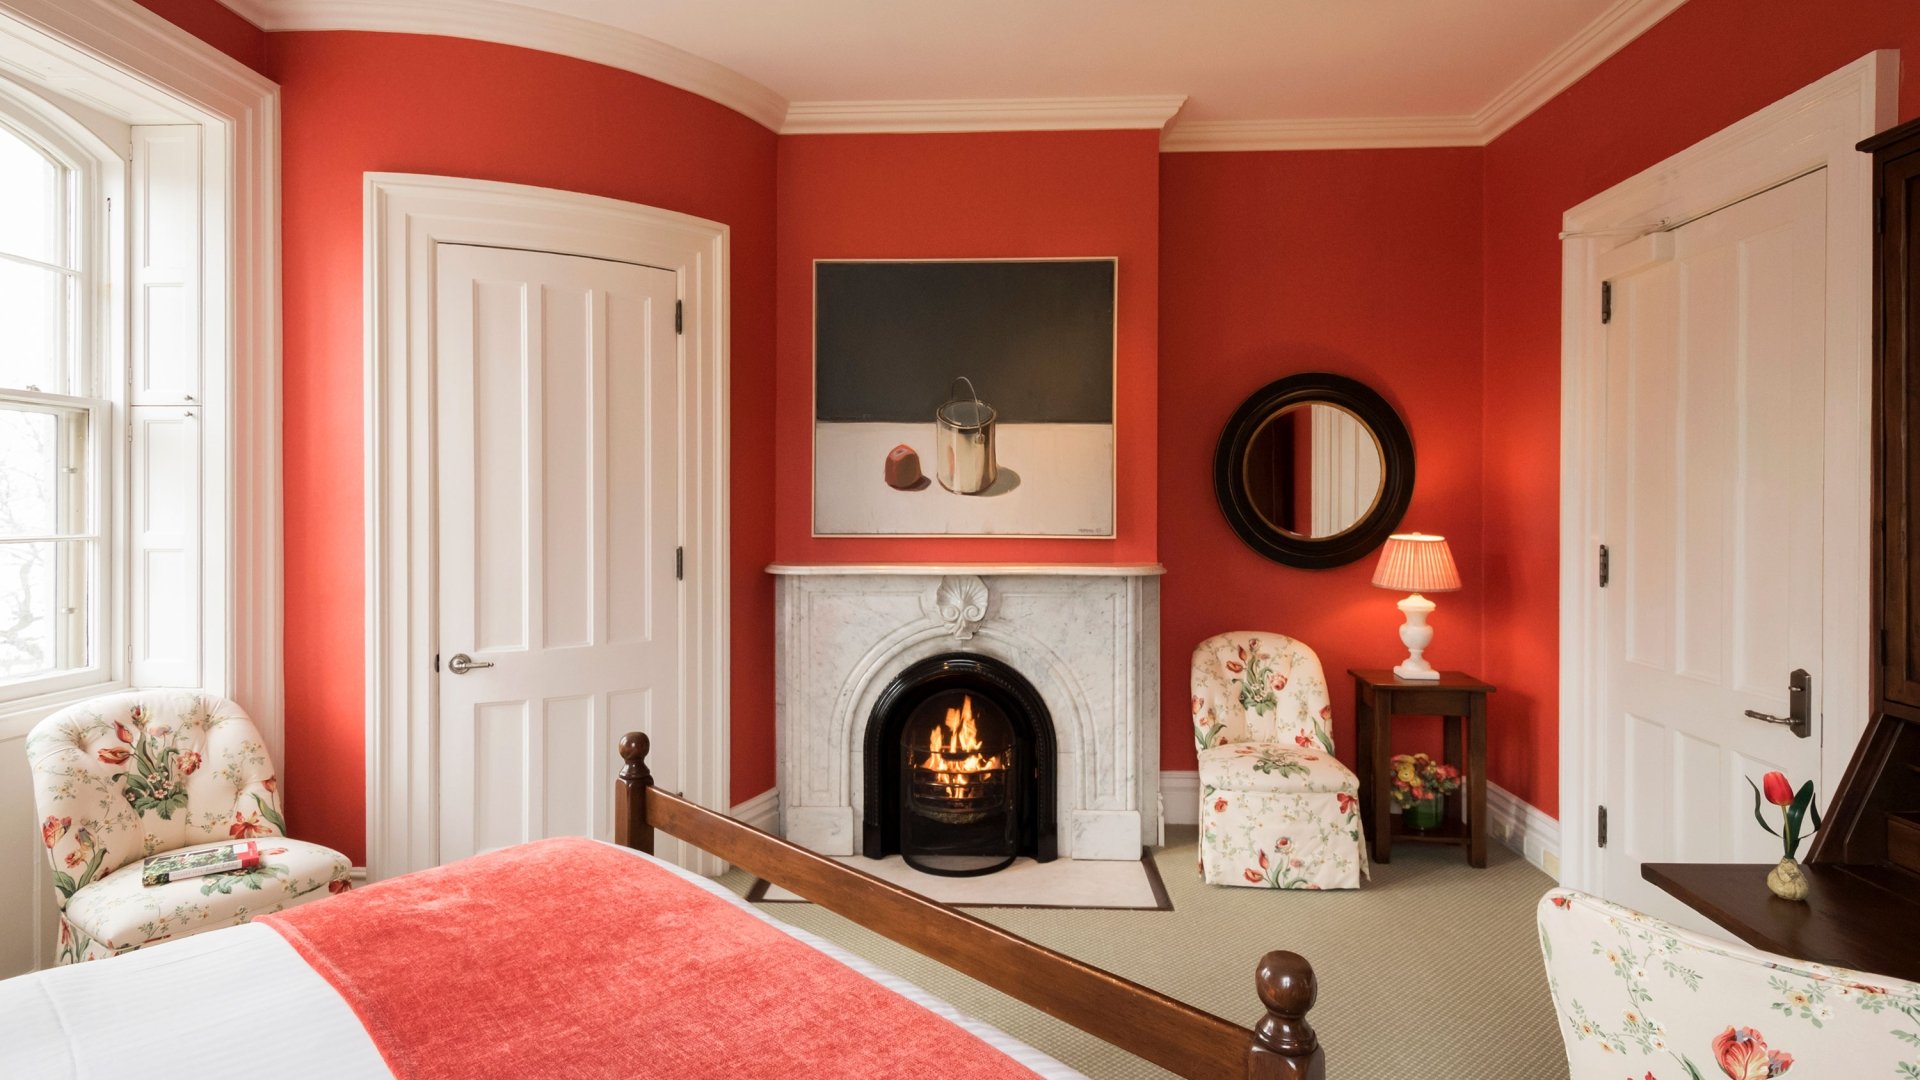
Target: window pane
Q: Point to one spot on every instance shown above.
(30, 188)
(43, 608)
(43, 471)
(33, 317)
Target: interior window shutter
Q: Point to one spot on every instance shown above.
(164, 535)
(167, 411)
(165, 237)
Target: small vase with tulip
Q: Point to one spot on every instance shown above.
(1785, 880)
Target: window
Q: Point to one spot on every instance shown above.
(53, 416)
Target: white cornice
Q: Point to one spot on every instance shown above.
(1351, 134)
(982, 114)
(512, 24)
(1604, 36)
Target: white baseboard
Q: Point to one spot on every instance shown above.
(1510, 820)
(1525, 828)
(762, 811)
(1180, 797)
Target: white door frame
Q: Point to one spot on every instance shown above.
(1814, 128)
(407, 216)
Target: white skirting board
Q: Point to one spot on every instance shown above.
(762, 811)
(1511, 820)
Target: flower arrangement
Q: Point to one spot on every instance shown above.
(1417, 778)
(1793, 807)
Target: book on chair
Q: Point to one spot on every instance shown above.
(199, 862)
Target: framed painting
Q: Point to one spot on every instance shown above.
(964, 398)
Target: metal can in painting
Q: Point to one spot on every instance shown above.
(963, 443)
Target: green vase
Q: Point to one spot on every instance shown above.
(1426, 814)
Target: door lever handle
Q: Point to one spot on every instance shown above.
(1799, 718)
(460, 663)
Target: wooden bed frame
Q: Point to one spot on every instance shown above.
(1175, 1036)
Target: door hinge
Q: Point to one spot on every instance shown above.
(436, 663)
(1606, 302)
(1603, 826)
(679, 316)
(679, 564)
(1606, 566)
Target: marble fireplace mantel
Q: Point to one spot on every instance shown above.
(1086, 635)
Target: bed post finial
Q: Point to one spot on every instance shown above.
(630, 827)
(1284, 1044)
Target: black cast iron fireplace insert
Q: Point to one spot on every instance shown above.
(959, 768)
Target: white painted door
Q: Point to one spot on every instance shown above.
(559, 504)
(1716, 383)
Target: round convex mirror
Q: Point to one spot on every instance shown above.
(1314, 470)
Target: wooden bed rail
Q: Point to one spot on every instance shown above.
(1176, 1036)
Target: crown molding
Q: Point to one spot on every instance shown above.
(1369, 133)
(1149, 112)
(512, 24)
(1607, 34)
(1612, 31)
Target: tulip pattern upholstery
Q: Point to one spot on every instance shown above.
(122, 777)
(1277, 809)
(1641, 997)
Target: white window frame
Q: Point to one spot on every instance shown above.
(93, 383)
(117, 58)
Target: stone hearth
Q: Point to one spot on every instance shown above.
(1086, 637)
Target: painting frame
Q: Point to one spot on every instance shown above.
(1091, 446)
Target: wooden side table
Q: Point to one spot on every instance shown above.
(1460, 699)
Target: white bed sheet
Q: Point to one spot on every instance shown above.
(136, 1015)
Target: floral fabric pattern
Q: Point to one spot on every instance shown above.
(117, 912)
(1640, 997)
(1277, 809)
(129, 775)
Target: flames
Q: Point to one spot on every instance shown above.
(954, 751)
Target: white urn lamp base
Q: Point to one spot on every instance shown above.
(1416, 635)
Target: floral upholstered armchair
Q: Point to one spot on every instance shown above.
(1643, 998)
(1277, 809)
(122, 777)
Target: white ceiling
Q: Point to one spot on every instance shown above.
(1373, 72)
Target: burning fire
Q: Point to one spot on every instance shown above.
(953, 751)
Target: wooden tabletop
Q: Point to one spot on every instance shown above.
(1855, 917)
(1448, 680)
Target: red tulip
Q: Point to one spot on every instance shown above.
(1776, 788)
(115, 755)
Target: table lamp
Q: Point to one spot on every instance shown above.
(1416, 563)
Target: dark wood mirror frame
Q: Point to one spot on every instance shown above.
(1367, 534)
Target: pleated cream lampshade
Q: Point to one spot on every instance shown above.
(1416, 563)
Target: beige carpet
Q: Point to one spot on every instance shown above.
(1431, 970)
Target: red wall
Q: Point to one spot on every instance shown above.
(217, 25)
(359, 102)
(1706, 66)
(1001, 195)
(1362, 263)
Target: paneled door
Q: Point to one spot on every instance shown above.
(558, 469)
(1713, 518)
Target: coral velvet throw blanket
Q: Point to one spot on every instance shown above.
(570, 958)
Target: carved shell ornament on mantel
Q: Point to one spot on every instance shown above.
(960, 602)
